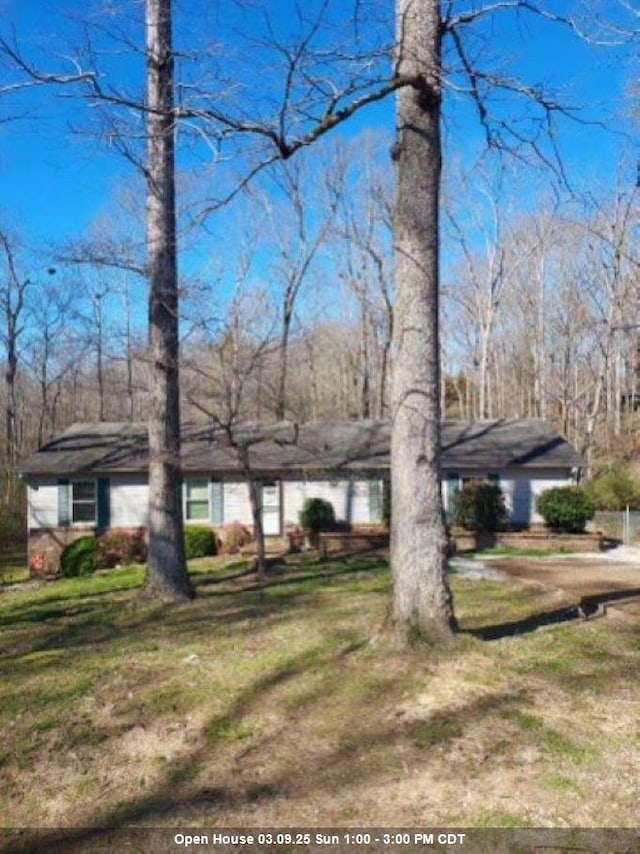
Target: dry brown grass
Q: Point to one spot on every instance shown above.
(284, 706)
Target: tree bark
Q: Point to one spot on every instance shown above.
(422, 601)
(167, 569)
(13, 300)
(283, 357)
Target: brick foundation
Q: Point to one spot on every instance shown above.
(360, 539)
(45, 545)
(533, 539)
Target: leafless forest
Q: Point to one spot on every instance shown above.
(540, 314)
(286, 264)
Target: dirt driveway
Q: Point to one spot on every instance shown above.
(591, 578)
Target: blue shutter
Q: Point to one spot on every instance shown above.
(103, 510)
(216, 491)
(375, 501)
(453, 486)
(64, 503)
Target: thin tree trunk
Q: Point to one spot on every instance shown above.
(384, 372)
(281, 397)
(10, 378)
(167, 570)
(365, 398)
(129, 355)
(482, 373)
(422, 602)
(256, 513)
(99, 317)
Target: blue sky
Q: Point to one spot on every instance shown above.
(58, 182)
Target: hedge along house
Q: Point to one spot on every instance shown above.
(93, 477)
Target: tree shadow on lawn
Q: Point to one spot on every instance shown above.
(357, 752)
(588, 608)
(90, 624)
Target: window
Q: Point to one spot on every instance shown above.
(83, 501)
(197, 500)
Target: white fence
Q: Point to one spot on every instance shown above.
(622, 525)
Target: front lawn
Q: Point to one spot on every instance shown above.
(284, 705)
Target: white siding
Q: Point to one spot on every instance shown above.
(236, 503)
(520, 489)
(539, 485)
(350, 499)
(42, 503)
(129, 495)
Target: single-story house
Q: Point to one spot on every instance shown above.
(94, 476)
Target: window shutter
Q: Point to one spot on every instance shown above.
(453, 486)
(375, 501)
(103, 510)
(216, 489)
(64, 503)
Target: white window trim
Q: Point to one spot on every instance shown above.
(185, 503)
(83, 523)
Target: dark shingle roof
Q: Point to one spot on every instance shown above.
(326, 447)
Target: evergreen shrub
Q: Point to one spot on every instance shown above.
(79, 558)
(317, 515)
(479, 506)
(199, 541)
(566, 509)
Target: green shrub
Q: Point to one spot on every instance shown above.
(199, 541)
(479, 506)
(317, 515)
(232, 537)
(614, 489)
(120, 548)
(79, 558)
(565, 508)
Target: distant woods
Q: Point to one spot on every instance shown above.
(540, 310)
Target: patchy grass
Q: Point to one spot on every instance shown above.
(13, 565)
(514, 551)
(284, 704)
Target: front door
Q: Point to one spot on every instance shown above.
(271, 508)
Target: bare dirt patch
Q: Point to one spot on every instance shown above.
(617, 584)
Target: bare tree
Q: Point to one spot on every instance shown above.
(12, 305)
(431, 52)
(167, 567)
(221, 380)
(422, 602)
(46, 356)
(299, 222)
(363, 228)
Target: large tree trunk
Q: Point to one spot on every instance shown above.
(167, 570)
(422, 603)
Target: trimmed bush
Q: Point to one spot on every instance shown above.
(479, 506)
(199, 541)
(120, 548)
(79, 558)
(232, 537)
(614, 489)
(565, 508)
(317, 515)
